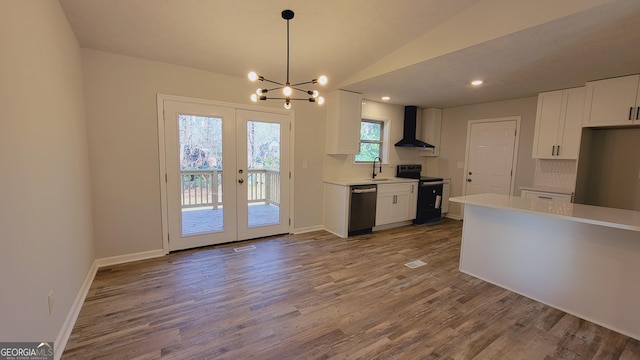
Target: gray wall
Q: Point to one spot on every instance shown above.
(454, 138)
(123, 143)
(45, 199)
(609, 169)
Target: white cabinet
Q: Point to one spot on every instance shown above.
(396, 202)
(541, 195)
(344, 114)
(336, 209)
(431, 126)
(613, 102)
(559, 124)
(446, 193)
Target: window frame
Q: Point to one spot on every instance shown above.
(382, 142)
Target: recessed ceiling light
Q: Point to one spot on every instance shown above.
(477, 82)
(386, 98)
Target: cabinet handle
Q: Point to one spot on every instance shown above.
(553, 150)
(630, 113)
(395, 199)
(638, 113)
(558, 152)
(544, 197)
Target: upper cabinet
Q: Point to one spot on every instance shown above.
(613, 102)
(344, 114)
(430, 131)
(559, 124)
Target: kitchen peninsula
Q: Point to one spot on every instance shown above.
(581, 259)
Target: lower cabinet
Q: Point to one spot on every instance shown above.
(541, 195)
(396, 203)
(446, 193)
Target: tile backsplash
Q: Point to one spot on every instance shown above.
(559, 174)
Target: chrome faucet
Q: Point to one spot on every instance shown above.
(373, 176)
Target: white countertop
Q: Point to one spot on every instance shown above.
(548, 189)
(597, 215)
(379, 181)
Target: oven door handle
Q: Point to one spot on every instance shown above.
(427, 183)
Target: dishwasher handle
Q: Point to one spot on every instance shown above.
(363, 191)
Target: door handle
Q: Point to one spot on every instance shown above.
(241, 181)
(469, 180)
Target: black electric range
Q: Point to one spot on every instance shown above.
(429, 193)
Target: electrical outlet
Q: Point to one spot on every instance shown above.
(51, 300)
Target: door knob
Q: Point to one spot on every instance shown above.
(241, 181)
(468, 180)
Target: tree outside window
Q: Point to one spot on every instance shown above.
(371, 140)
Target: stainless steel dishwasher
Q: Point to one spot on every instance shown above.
(362, 209)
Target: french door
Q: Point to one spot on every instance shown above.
(227, 173)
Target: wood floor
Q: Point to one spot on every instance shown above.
(316, 296)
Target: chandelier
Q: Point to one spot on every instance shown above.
(287, 88)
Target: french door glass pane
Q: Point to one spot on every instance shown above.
(263, 175)
(200, 174)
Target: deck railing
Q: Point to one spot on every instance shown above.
(202, 188)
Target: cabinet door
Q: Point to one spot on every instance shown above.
(545, 137)
(384, 211)
(344, 114)
(570, 130)
(400, 208)
(413, 202)
(446, 192)
(611, 101)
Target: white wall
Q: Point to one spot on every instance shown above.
(45, 200)
(123, 139)
(454, 137)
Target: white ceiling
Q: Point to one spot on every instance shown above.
(419, 52)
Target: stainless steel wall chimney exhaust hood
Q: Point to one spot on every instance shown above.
(409, 133)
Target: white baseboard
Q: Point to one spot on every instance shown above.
(308, 229)
(392, 225)
(121, 259)
(72, 316)
(453, 216)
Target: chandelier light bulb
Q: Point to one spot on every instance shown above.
(288, 87)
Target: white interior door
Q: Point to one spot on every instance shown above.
(491, 156)
(227, 174)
